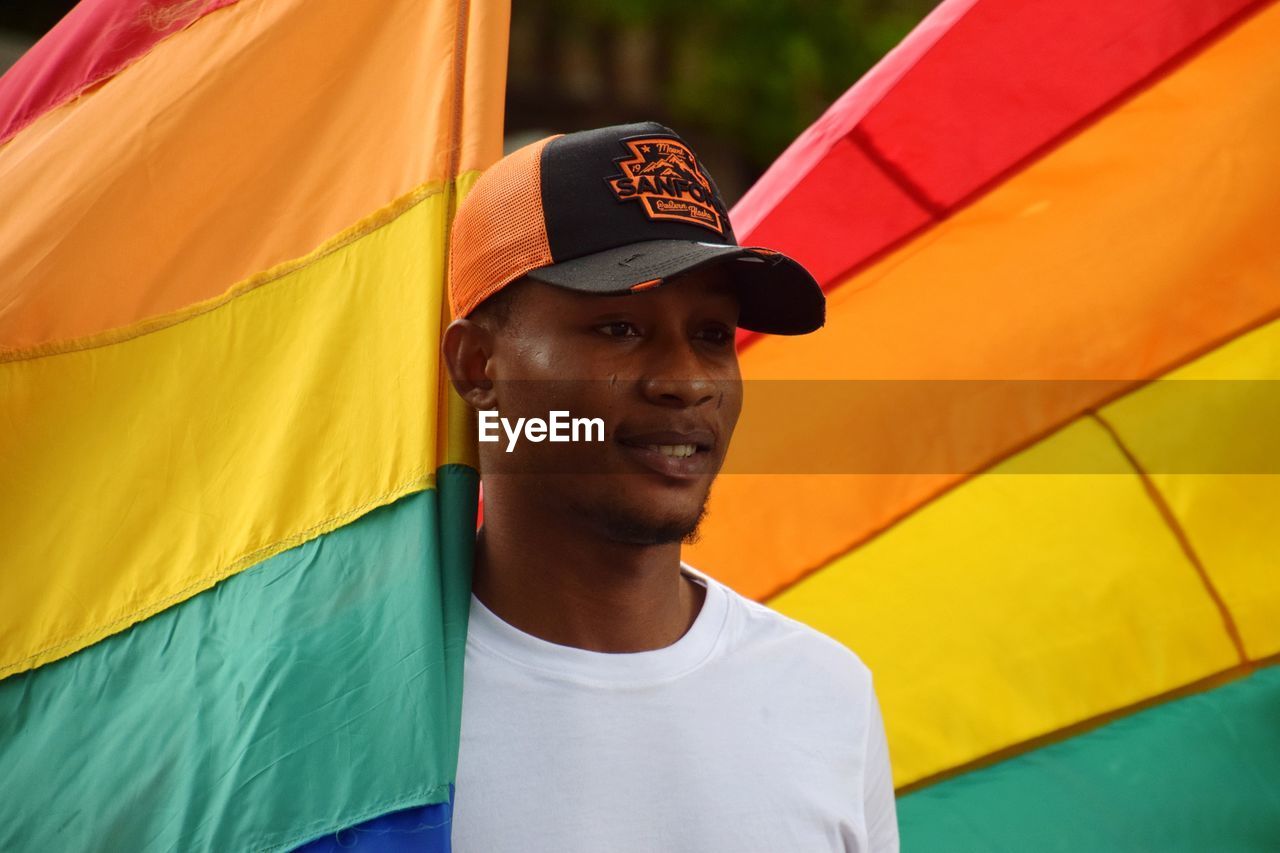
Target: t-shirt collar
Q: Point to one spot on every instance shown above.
(488, 633)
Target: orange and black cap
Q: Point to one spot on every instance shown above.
(612, 211)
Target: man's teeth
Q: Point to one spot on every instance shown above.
(677, 450)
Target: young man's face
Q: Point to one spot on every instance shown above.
(658, 366)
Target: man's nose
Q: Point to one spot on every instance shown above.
(678, 378)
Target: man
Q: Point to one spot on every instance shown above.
(615, 699)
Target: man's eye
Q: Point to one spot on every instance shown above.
(717, 335)
(619, 329)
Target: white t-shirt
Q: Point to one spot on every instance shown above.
(752, 733)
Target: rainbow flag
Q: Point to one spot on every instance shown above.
(1048, 231)
(237, 498)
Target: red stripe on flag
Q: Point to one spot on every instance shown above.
(1012, 76)
(94, 42)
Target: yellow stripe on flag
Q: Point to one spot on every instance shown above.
(1016, 605)
(147, 470)
(1230, 422)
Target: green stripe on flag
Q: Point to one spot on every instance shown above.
(309, 693)
(1197, 774)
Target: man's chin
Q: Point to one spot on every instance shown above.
(633, 528)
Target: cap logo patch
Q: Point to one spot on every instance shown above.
(665, 178)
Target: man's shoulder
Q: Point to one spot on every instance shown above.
(760, 631)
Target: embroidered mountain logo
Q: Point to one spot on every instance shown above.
(666, 179)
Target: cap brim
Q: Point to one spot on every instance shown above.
(778, 296)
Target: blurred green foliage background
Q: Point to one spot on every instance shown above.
(739, 79)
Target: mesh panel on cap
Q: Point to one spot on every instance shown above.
(499, 233)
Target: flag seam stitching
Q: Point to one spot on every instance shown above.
(359, 231)
(320, 829)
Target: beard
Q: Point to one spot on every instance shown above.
(629, 527)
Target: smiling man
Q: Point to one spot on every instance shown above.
(614, 698)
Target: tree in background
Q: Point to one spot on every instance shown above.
(739, 78)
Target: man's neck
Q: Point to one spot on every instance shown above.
(564, 585)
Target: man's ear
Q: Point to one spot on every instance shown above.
(468, 349)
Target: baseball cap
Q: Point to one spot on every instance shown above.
(613, 211)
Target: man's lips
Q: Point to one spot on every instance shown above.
(679, 454)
